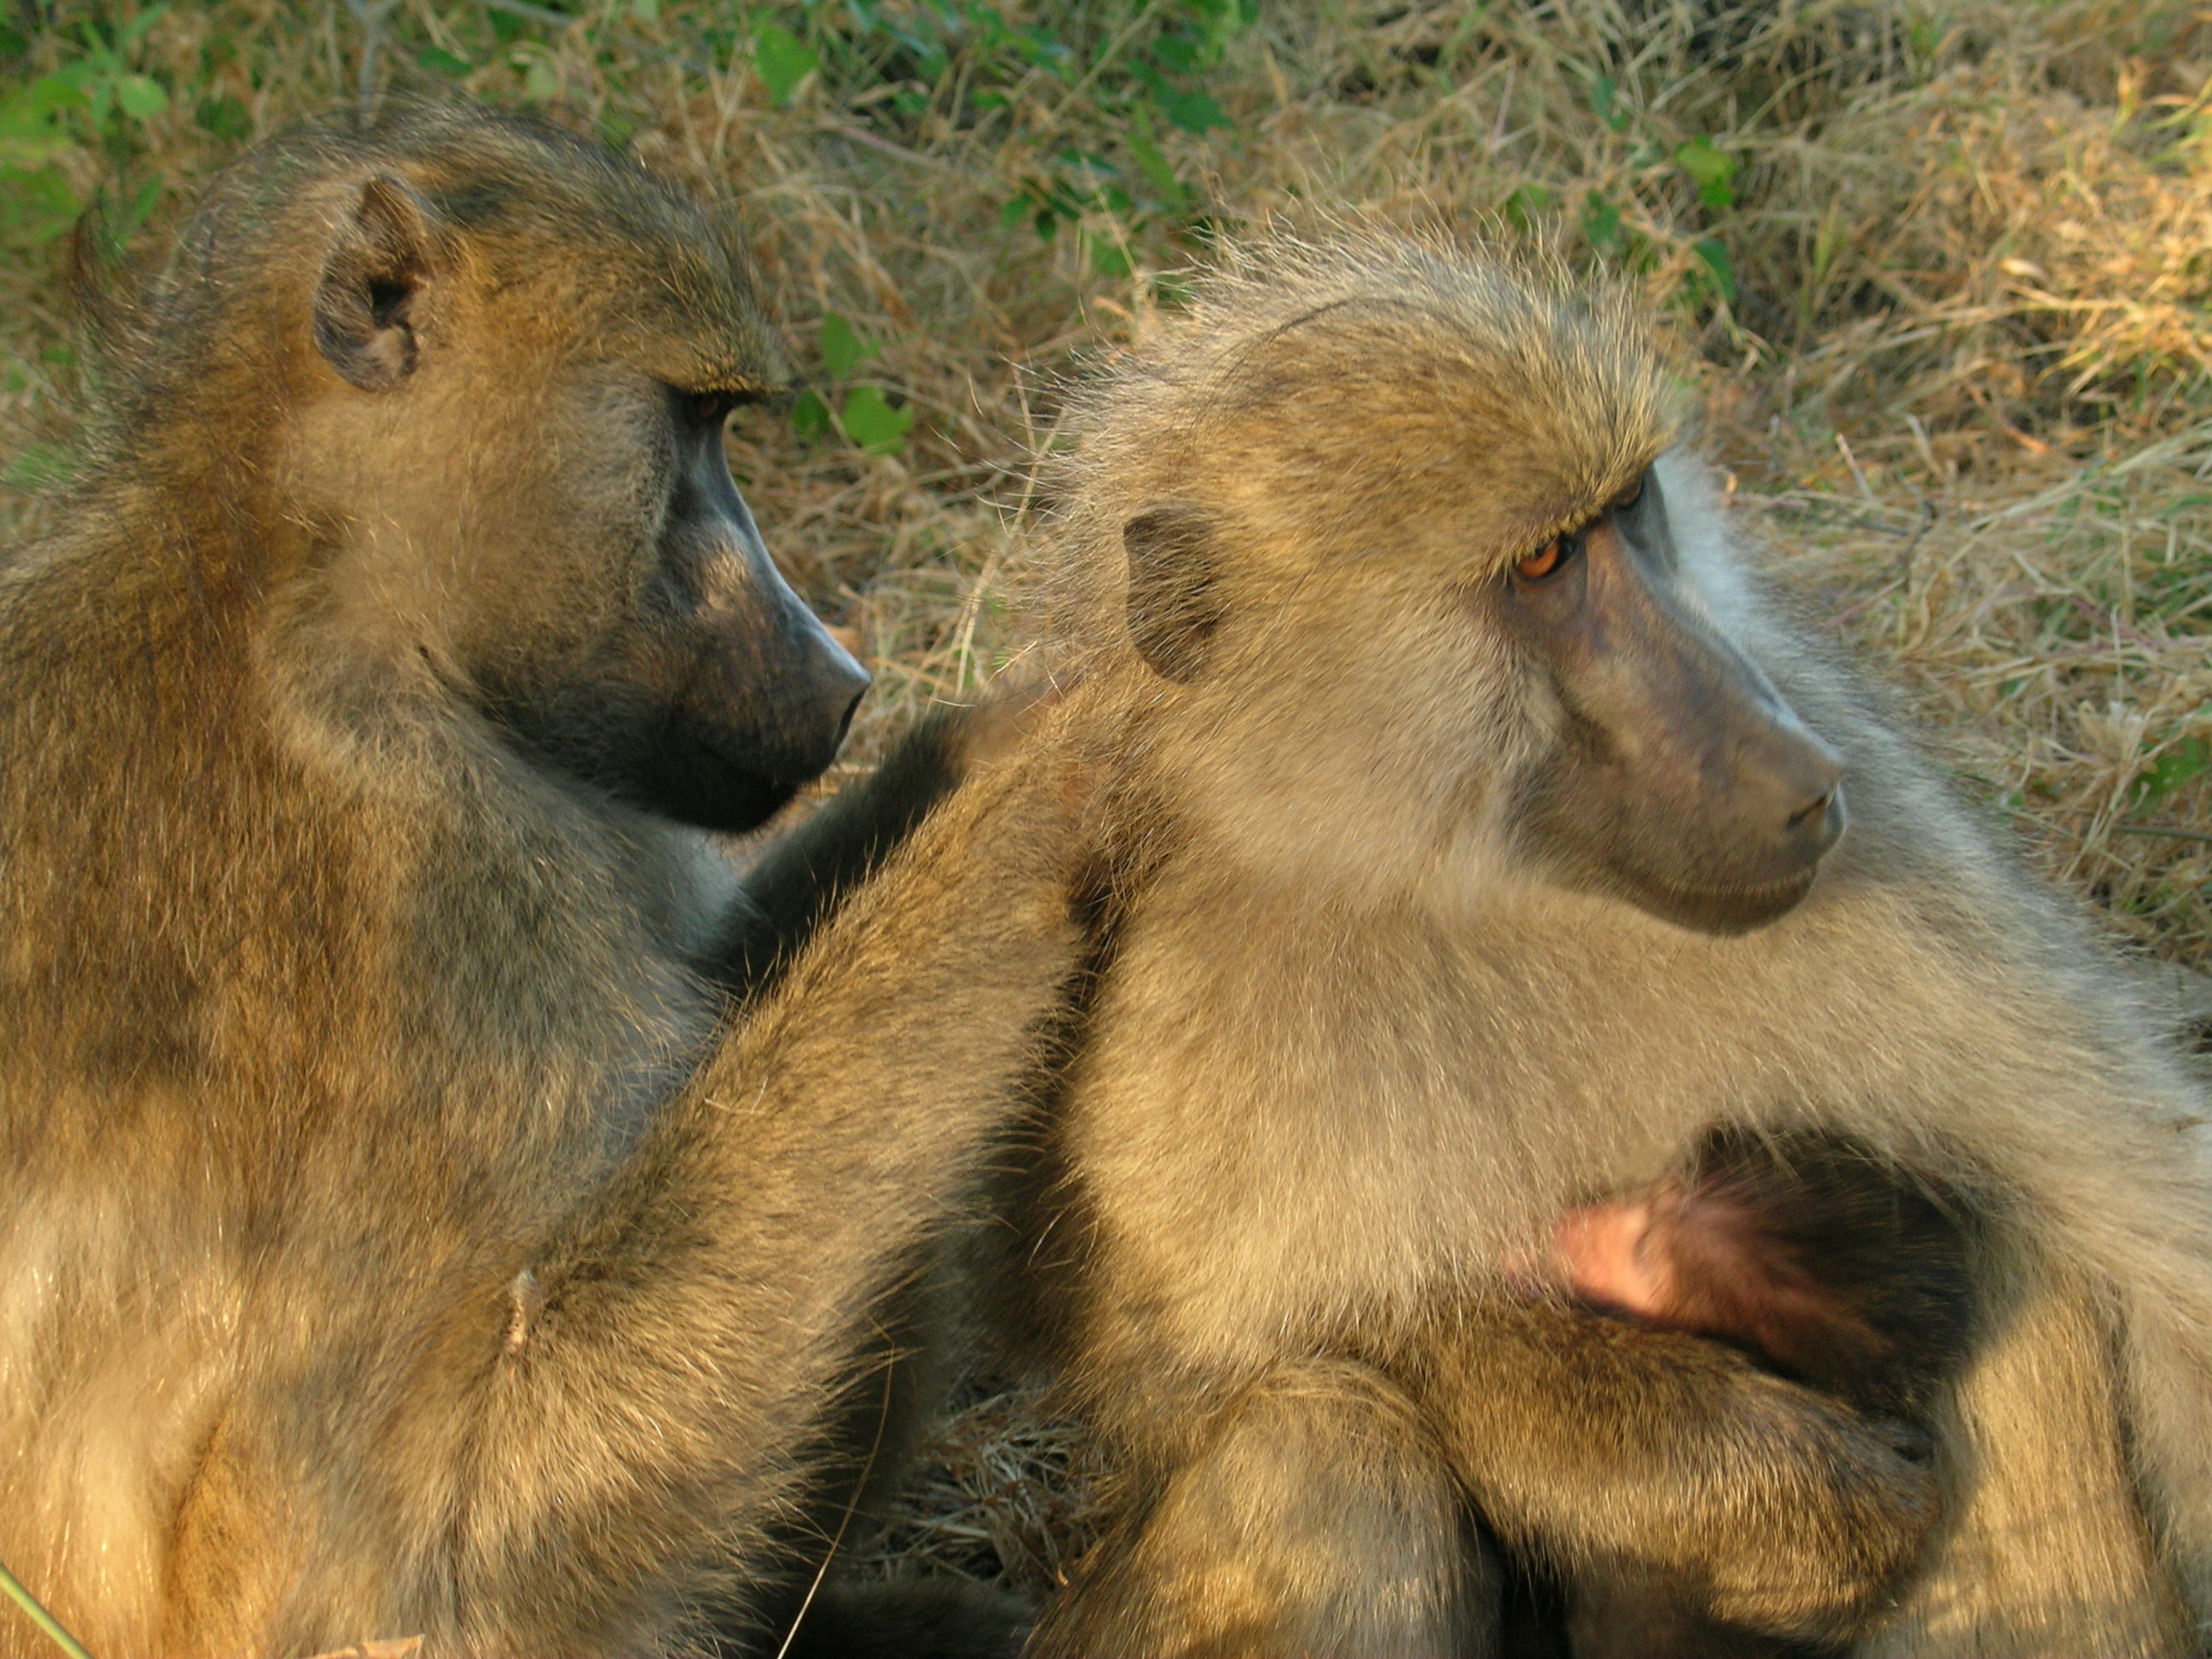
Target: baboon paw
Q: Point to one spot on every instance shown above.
(1849, 1502)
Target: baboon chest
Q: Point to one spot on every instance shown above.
(1285, 1126)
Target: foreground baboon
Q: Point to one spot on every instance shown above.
(1475, 849)
(394, 1238)
(1801, 1249)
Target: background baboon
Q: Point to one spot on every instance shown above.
(391, 1240)
(1472, 854)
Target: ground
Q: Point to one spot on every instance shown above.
(1941, 273)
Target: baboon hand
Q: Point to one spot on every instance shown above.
(1014, 713)
(1678, 1461)
(1839, 1503)
(1005, 850)
(1032, 753)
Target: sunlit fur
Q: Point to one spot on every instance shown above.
(1347, 1051)
(1366, 462)
(393, 1240)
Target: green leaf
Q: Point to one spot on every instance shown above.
(35, 207)
(1015, 210)
(1145, 152)
(1710, 168)
(1044, 49)
(782, 60)
(1601, 223)
(224, 117)
(930, 59)
(1108, 257)
(1719, 268)
(142, 203)
(541, 77)
(843, 347)
(2181, 763)
(1601, 98)
(444, 62)
(1525, 203)
(1196, 112)
(31, 148)
(810, 418)
(1177, 53)
(871, 422)
(140, 97)
(645, 11)
(77, 80)
(134, 31)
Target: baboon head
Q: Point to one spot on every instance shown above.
(508, 355)
(1414, 572)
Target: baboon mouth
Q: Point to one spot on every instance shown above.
(1730, 909)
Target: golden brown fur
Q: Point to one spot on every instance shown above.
(395, 1237)
(1348, 1049)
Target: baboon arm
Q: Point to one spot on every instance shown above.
(597, 1443)
(807, 873)
(1599, 1444)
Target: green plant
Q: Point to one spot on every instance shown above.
(54, 128)
(867, 416)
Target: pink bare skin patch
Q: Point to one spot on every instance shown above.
(1610, 1256)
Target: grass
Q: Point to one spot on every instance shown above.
(1942, 272)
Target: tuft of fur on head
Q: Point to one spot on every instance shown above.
(1322, 393)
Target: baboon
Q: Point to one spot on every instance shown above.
(397, 1236)
(1801, 1249)
(1473, 848)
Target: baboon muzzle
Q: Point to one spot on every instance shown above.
(1685, 784)
(827, 685)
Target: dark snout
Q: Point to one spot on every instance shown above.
(827, 684)
(713, 699)
(767, 695)
(1685, 784)
(799, 685)
(1786, 790)
(1739, 801)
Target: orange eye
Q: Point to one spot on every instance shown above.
(1540, 564)
(1546, 561)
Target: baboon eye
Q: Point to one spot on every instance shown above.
(707, 408)
(1546, 561)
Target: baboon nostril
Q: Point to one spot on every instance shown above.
(1812, 808)
(1818, 824)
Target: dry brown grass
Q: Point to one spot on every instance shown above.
(1961, 388)
(1962, 384)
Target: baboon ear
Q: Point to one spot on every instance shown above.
(1175, 606)
(372, 280)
